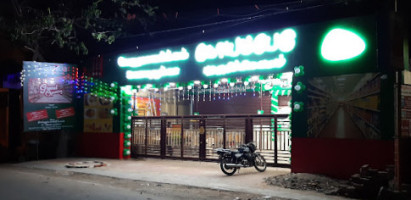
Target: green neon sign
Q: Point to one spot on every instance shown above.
(282, 42)
(163, 56)
(154, 74)
(342, 44)
(243, 66)
(262, 43)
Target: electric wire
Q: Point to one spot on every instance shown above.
(239, 20)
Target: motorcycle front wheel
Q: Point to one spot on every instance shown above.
(259, 163)
(227, 170)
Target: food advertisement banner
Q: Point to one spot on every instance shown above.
(147, 106)
(97, 116)
(49, 96)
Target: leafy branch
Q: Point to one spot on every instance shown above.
(71, 24)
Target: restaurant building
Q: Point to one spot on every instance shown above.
(312, 96)
(317, 95)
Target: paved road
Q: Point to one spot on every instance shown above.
(35, 184)
(30, 185)
(189, 174)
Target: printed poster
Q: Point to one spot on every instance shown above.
(97, 116)
(147, 106)
(48, 96)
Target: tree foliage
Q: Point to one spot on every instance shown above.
(72, 24)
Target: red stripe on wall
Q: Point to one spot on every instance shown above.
(339, 158)
(101, 145)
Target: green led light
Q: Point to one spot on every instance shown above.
(126, 152)
(298, 106)
(127, 143)
(299, 71)
(114, 111)
(299, 87)
(341, 44)
(128, 90)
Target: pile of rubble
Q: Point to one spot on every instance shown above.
(302, 181)
(369, 183)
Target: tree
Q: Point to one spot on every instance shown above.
(72, 24)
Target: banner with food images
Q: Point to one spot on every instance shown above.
(97, 116)
(147, 106)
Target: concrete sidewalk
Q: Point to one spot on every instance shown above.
(190, 173)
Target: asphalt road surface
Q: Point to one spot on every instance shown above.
(23, 183)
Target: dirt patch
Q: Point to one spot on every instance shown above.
(302, 181)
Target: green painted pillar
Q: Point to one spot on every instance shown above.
(274, 102)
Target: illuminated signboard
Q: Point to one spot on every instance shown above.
(341, 44)
(241, 48)
(337, 47)
(155, 72)
(48, 95)
(243, 66)
(161, 57)
(262, 52)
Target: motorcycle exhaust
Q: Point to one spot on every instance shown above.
(233, 165)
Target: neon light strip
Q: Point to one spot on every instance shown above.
(161, 57)
(243, 66)
(153, 74)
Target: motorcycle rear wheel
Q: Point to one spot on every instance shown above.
(260, 164)
(228, 171)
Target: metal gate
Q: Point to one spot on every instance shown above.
(196, 137)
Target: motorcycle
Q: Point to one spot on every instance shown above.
(244, 156)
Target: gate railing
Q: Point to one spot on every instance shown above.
(196, 137)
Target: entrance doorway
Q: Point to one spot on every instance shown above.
(190, 120)
(196, 137)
